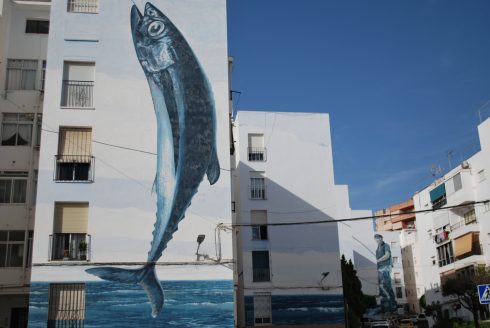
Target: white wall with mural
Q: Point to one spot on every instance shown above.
(135, 131)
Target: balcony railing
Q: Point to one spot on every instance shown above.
(83, 6)
(77, 94)
(462, 223)
(257, 154)
(261, 275)
(258, 192)
(74, 168)
(70, 247)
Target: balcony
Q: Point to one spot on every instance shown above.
(77, 94)
(257, 154)
(258, 192)
(261, 275)
(74, 168)
(83, 6)
(464, 227)
(70, 247)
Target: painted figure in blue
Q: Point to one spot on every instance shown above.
(385, 263)
(186, 136)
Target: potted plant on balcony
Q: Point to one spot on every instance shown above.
(82, 248)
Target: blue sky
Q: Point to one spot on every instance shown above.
(402, 81)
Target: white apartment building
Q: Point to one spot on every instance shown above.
(288, 270)
(24, 27)
(97, 191)
(454, 242)
(413, 272)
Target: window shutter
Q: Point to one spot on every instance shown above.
(79, 71)
(71, 218)
(258, 217)
(256, 140)
(463, 244)
(75, 145)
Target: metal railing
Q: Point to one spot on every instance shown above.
(73, 252)
(74, 168)
(463, 223)
(258, 192)
(83, 6)
(257, 154)
(77, 94)
(261, 274)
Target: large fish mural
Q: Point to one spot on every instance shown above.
(186, 136)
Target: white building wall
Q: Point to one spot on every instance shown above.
(475, 188)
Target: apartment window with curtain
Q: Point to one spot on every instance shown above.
(66, 305)
(78, 85)
(258, 219)
(17, 129)
(399, 292)
(13, 187)
(445, 254)
(21, 74)
(12, 248)
(256, 147)
(70, 240)
(74, 161)
(257, 185)
(260, 266)
(83, 6)
(262, 308)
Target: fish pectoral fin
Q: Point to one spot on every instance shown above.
(213, 170)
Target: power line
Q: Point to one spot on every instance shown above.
(362, 217)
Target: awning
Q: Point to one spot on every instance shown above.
(437, 192)
(462, 245)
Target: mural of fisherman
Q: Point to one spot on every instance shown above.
(384, 264)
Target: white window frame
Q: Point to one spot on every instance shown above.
(22, 66)
(14, 177)
(17, 119)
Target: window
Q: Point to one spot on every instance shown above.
(43, 75)
(458, 184)
(257, 185)
(12, 248)
(395, 259)
(66, 305)
(262, 308)
(74, 161)
(70, 241)
(467, 245)
(13, 187)
(256, 148)
(17, 129)
(481, 175)
(438, 196)
(83, 6)
(39, 128)
(34, 186)
(258, 220)
(393, 244)
(445, 254)
(470, 216)
(21, 74)
(398, 278)
(78, 85)
(37, 26)
(399, 292)
(260, 266)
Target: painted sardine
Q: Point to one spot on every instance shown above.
(186, 136)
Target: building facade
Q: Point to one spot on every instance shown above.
(396, 217)
(24, 27)
(288, 269)
(134, 173)
(455, 241)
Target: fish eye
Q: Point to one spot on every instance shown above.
(156, 29)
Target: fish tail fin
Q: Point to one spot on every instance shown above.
(146, 277)
(213, 168)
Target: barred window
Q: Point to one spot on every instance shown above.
(66, 305)
(262, 308)
(21, 74)
(17, 129)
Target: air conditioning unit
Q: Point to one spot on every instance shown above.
(465, 165)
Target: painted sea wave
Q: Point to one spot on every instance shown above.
(187, 304)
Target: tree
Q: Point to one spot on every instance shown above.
(465, 291)
(356, 303)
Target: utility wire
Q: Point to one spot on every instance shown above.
(362, 217)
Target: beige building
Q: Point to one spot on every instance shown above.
(24, 27)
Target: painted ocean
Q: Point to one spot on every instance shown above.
(187, 304)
